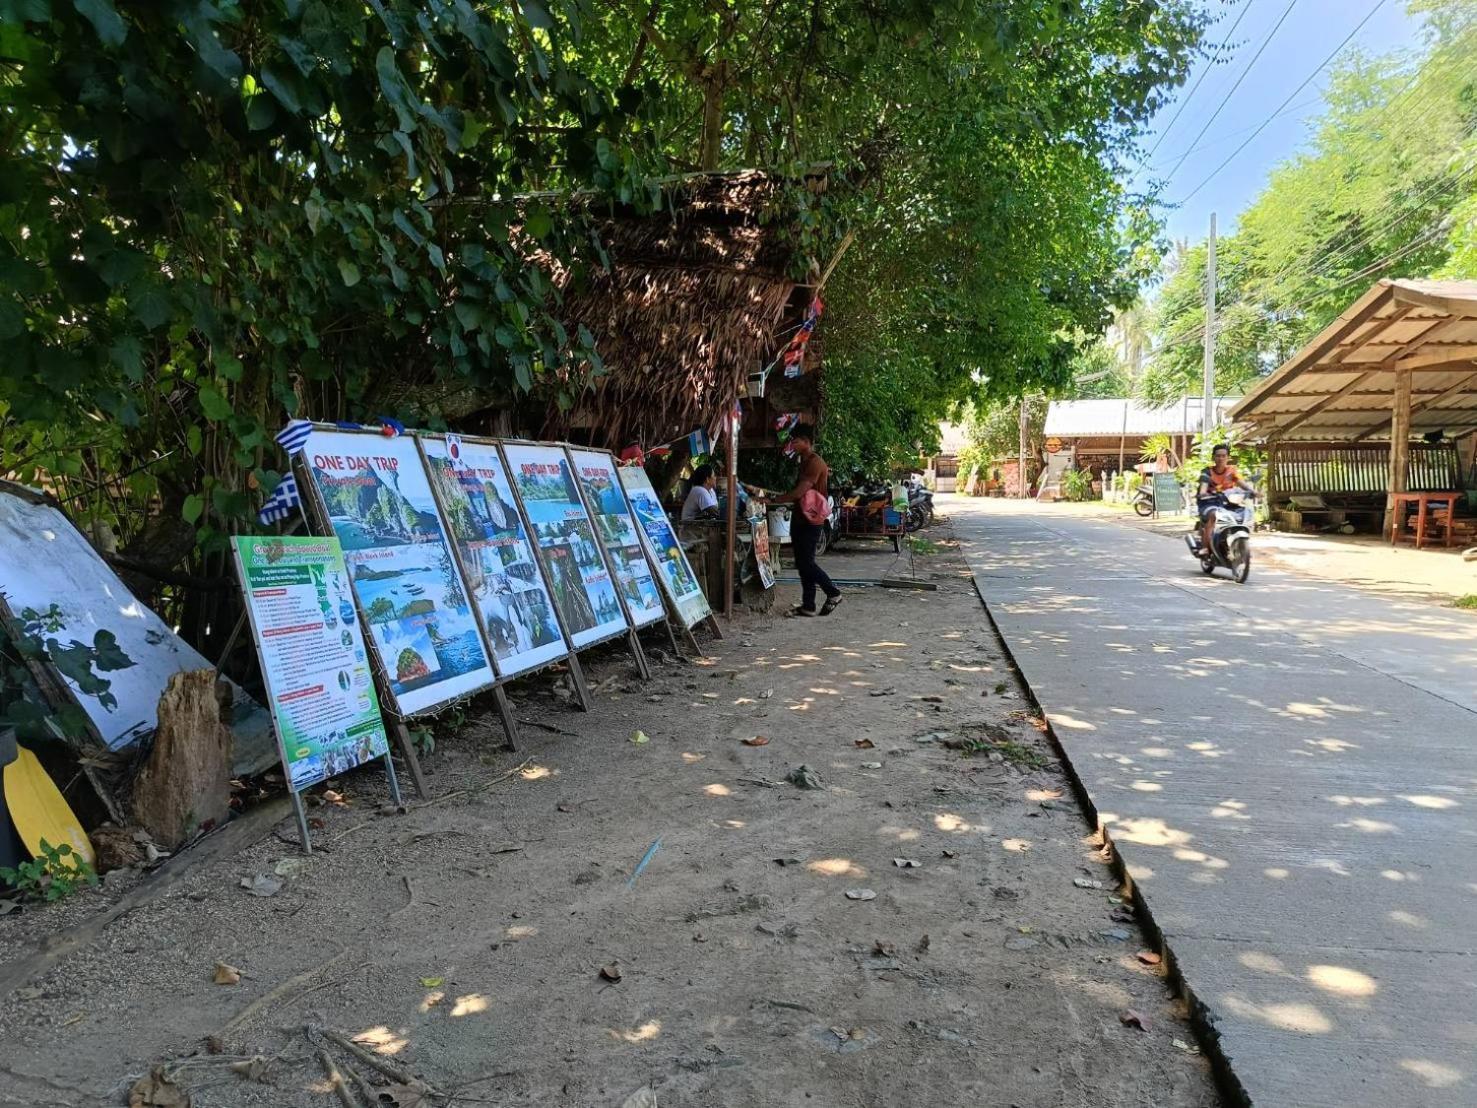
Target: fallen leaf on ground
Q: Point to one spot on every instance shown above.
(288, 867)
(8, 906)
(226, 975)
(863, 744)
(563, 808)
(951, 854)
(860, 894)
(1130, 1018)
(332, 796)
(157, 1091)
(262, 885)
(883, 949)
(766, 694)
(641, 1098)
(803, 777)
(906, 863)
(757, 740)
(640, 737)
(1188, 1048)
(433, 982)
(922, 947)
(612, 972)
(1149, 958)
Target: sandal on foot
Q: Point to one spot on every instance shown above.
(801, 610)
(831, 604)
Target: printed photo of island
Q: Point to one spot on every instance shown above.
(404, 576)
(565, 537)
(498, 558)
(663, 548)
(596, 473)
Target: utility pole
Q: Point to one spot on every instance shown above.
(1024, 478)
(1207, 413)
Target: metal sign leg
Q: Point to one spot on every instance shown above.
(672, 638)
(577, 674)
(407, 750)
(394, 780)
(302, 821)
(640, 655)
(505, 710)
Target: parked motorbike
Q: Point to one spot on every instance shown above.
(920, 503)
(828, 529)
(1230, 541)
(1143, 500)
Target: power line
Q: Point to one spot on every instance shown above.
(1232, 92)
(1179, 109)
(1306, 81)
(1228, 137)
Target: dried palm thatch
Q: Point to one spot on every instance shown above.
(694, 300)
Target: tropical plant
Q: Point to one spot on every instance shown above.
(1077, 484)
(57, 872)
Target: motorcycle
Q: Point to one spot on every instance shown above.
(1143, 500)
(1230, 540)
(920, 503)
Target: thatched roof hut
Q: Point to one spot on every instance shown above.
(696, 299)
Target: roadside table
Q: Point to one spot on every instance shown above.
(1423, 502)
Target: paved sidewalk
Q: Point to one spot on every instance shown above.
(1287, 769)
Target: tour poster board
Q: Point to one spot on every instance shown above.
(596, 472)
(564, 536)
(377, 499)
(507, 586)
(319, 686)
(762, 552)
(663, 548)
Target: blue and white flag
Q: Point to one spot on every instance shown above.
(294, 436)
(282, 502)
(698, 444)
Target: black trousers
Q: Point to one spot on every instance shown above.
(803, 538)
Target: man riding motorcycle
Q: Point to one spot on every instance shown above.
(1216, 479)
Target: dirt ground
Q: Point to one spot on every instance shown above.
(465, 940)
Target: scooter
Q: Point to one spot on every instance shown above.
(1230, 539)
(920, 503)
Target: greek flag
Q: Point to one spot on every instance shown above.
(293, 438)
(283, 500)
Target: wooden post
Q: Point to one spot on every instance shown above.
(733, 440)
(1399, 449)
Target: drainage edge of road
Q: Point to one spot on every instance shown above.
(1202, 1020)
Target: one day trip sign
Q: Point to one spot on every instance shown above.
(319, 685)
(379, 503)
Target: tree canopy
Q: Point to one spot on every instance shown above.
(217, 215)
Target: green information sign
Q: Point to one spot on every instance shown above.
(319, 686)
(1169, 499)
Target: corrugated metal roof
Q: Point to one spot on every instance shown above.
(1075, 419)
(1341, 385)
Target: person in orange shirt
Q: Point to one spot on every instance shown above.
(1216, 479)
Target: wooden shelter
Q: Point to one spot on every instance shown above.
(1399, 363)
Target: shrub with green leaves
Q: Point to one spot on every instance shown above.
(57, 873)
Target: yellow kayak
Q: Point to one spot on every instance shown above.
(39, 811)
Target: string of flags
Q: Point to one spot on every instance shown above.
(793, 357)
(283, 501)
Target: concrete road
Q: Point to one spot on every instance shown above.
(1289, 771)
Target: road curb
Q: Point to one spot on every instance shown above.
(1202, 1019)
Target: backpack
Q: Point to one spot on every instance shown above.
(814, 508)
